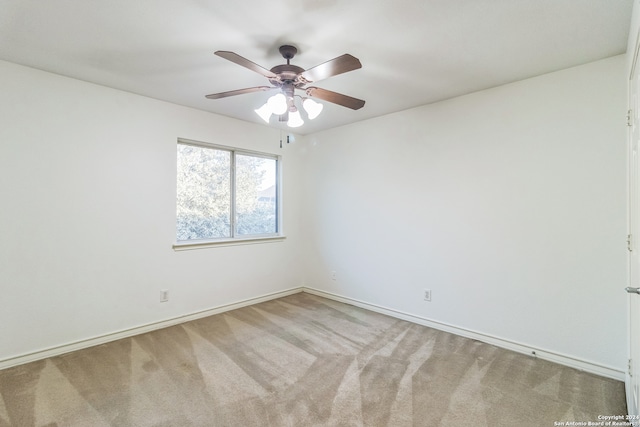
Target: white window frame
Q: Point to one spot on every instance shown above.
(234, 239)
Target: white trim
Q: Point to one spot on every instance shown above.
(551, 356)
(126, 333)
(635, 56)
(193, 142)
(188, 245)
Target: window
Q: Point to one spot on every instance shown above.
(225, 194)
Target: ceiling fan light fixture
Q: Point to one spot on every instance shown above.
(278, 104)
(312, 108)
(295, 120)
(264, 112)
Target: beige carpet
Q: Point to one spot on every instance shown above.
(301, 361)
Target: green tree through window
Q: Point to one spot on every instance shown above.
(224, 193)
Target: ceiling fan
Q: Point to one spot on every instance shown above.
(288, 78)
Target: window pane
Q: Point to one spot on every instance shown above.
(204, 193)
(255, 195)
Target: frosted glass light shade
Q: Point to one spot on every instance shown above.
(278, 104)
(312, 108)
(294, 119)
(264, 112)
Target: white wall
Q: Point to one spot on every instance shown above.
(87, 219)
(508, 203)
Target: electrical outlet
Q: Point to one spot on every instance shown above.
(164, 295)
(427, 294)
(333, 275)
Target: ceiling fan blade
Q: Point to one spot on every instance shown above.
(238, 92)
(333, 67)
(234, 57)
(335, 97)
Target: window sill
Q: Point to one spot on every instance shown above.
(203, 244)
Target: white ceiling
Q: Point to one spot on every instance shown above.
(413, 52)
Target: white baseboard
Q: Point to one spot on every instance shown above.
(572, 362)
(126, 333)
(551, 356)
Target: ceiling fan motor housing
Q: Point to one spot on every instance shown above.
(286, 73)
